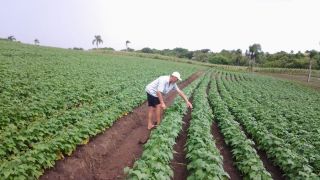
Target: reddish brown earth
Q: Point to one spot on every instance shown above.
(225, 151)
(179, 162)
(107, 154)
(275, 171)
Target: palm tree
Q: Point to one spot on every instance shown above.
(312, 54)
(127, 42)
(97, 40)
(254, 50)
(238, 56)
(11, 38)
(36, 41)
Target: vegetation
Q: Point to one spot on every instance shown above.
(11, 38)
(205, 161)
(52, 100)
(127, 42)
(252, 113)
(246, 157)
(254, 56)
(279, 125)
(97, 40)
(36, 41)
(158, 151)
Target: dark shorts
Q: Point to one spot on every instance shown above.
(152, 101)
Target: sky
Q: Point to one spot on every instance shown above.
(278, 25)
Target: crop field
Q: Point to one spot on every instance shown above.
(52, 100)
(70, 115)
(277, 117)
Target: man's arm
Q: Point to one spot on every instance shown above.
(185, 98)
(163, 105)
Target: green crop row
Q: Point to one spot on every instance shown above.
(288, 161)
(44, 154)
(296, 110)
(15, 141)
(277, 112)
(204, 159)
(245, 156)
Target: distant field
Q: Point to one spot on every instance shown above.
(291, 71)
(302, 79)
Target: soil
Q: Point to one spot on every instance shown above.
(275, 171)
(225, 151)
(107, 154)
(179, 162)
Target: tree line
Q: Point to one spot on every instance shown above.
(253, 56)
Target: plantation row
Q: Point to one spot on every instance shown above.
(278, 124)
(52, 100)
(250, 114)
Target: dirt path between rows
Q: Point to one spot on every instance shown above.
(275, 171)
(225, 151)
(105, 156)
(179, 162)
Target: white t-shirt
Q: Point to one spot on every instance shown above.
(161, 84)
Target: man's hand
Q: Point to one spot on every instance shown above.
(189, 105)
(163, 105)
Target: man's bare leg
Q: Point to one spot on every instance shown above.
(150, 112)
(158, 113)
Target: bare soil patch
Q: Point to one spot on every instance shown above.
(179, 162)
(225, 151)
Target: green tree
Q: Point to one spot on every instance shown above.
(200, 56)
(36, 41)
(218, 59)
(98, 40)
(254, 51)
(127, 42)
(205, 50)
(180, 52)
(312, 54)
(238, 56)
(11, 38)
(146, 50)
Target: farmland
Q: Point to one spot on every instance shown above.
(53, 100)
(88, 108)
